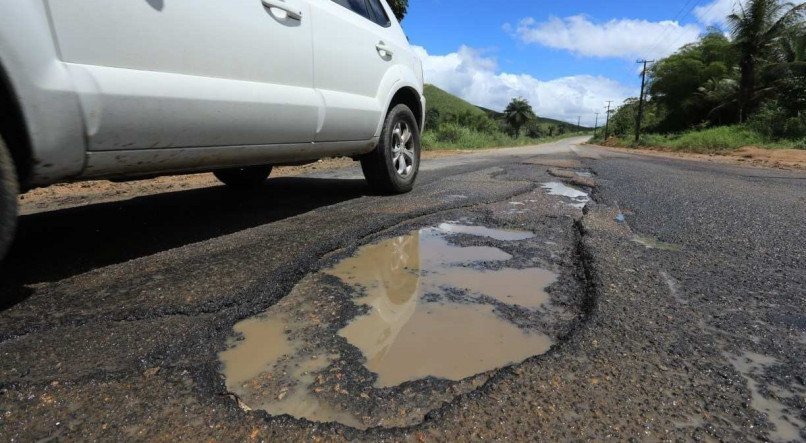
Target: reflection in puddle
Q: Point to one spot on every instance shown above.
(482, 231)
(578, 198)
(450, 341)
(752, 365)
(653, 243)
(434, 310)
(405, 338)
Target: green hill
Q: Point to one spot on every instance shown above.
(447, 103)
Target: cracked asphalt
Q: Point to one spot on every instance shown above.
(114, 313)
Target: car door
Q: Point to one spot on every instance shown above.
(352, 53)
(190, 73)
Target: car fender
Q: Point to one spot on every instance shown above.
(397, 78)
(30, 60)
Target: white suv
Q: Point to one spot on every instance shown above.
(133, 88)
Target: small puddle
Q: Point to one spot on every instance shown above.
(653, 243)
(751, 366)
(578, 198)
(482, 231)
(429, 308)
(267, 371)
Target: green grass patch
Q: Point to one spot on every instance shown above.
(718, 139)
(459, 137)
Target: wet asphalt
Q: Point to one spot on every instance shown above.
(113, 314)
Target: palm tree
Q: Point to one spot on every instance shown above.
(720, 94)
(755, 29)
(790, 57)
(518, 113)
(787, 72)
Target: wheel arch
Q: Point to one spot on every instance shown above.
(410, 97)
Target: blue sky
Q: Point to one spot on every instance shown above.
(566, 57)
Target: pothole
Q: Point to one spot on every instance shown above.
(578, 198)
(405, 324)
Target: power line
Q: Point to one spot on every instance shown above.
(676, 18)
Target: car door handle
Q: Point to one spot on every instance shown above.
(384, 50)
(292, 13)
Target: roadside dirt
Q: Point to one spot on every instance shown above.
(67, 195)
(748, 156)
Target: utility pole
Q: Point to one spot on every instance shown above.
(596, 125)
(641, 100)
(607, 120)
(579, 124)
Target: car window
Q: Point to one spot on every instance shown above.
(378, 13)
(357, 6)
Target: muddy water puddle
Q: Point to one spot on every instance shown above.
(786, 422)
(427, 309)
(578, 199)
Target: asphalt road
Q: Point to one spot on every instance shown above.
(679, 311)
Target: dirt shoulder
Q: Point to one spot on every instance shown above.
(67, 195)
(791, 159)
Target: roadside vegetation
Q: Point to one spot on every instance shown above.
(743, 87)
(452, 123)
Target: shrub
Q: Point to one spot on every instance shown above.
(450, 132)
(708, 140)
(776, 122)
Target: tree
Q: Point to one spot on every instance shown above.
(720, 95)
(399, 7)
(756, 30)
(786, 73)
(518, 113)
(675, 82)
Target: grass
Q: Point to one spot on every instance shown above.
(718, 139)
(465, 138)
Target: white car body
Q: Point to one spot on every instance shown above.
(126, 88)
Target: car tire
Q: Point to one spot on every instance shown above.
(244, 178)
(393, 166)
(9, 189)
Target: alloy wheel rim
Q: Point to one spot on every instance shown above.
(402, 150)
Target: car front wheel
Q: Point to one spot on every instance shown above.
(393, 166)
(9, 188)
(246, 177)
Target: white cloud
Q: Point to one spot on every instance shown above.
(717, 11)
(470, 75)
(624, 38)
